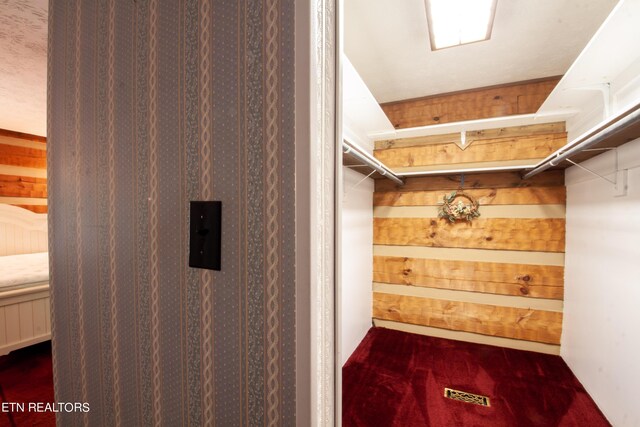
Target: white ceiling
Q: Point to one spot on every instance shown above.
(388, 43)
(23, 66)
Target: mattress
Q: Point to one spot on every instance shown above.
(24, 269)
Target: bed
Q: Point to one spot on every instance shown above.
(24, 279)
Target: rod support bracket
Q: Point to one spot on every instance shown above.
(586, 169)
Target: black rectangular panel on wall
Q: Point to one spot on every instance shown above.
(205, 235)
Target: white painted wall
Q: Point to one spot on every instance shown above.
(601, 332)
(357, 260)
(362, 117)
(601, 329)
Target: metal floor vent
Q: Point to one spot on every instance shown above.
(463, 396)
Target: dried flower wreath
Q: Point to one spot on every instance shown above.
(454, 209)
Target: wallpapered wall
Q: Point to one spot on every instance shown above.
(153, 103)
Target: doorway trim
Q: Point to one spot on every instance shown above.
(317, 149)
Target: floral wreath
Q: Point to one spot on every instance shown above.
(456, 211)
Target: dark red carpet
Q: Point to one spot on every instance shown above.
(26, 376)
(398, 379)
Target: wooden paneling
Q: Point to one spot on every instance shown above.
(509, 322)
(25, 310)
(488, 211)
(537, 281)
(488, 196)
(22, 186)
(3, 326)
(20, 171)
(495, 101)
(35, 208)
(515, 301)
(39, 317)
(24, 318)
(23, 156)
(471, 136)
(500, 275)
(545, 235)
(12, 322)
(23, 164)
(469, 337)
(22, 135)
(478, 255)
(477, 180)
(490, 150)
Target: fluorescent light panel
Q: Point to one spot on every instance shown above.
(457, 22)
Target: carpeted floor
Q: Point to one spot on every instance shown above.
(26, 376)
(398, 379)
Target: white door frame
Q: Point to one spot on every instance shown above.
(317, 266)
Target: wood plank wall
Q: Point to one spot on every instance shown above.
(23, 170)
(497, 280)
(520, 145)
(495, 101)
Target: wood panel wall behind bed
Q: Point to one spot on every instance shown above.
(497, 280)
(23, 170)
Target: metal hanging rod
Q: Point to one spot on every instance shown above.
(629, 120)
(367, 159)
(467, 170)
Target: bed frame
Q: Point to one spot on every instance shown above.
(25, 316)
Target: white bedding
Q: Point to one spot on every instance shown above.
(25, 269)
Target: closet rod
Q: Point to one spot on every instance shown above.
(600, 136)
(467, 170)
(378, 166)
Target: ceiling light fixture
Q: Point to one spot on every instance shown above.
(458, 22)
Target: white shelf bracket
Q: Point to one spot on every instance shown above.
(354, 186)
(605, 90)
(586, 169)
(362, 180)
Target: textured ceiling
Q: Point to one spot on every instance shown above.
(388, 43)
(23, 66)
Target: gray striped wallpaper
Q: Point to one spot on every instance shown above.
(152, 103)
